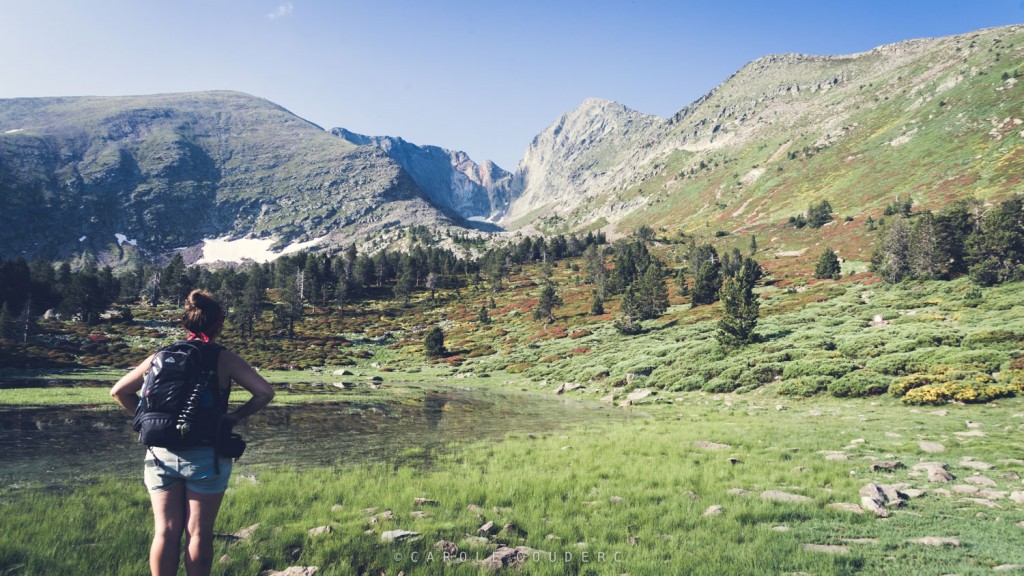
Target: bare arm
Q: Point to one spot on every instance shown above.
(241, 372)
(125, 391)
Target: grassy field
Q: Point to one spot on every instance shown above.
(633, 495)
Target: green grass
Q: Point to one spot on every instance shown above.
(633, 489)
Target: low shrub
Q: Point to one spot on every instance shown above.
(760, 374)
(818, 365)
(803, 386)
(720, 385)
(687, 384)
(859, 383)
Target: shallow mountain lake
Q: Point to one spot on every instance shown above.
(43, 446)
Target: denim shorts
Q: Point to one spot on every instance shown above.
(193, 466)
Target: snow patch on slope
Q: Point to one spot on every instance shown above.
(254, 249)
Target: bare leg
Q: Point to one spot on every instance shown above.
(202, 512)
(169, 522)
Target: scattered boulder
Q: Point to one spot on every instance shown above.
(886, 466)
(734, 461)
(975, 464)
(983, 502)
(691, 495)
(487, 529)
(979, 480)
(513, 530)
(638, 395)
(932, 447)
(505, 557)
(914, 493)
(715, 510)
(780, 496)
(425, 502)
(398, 536)
(615, 499)
(875, 506)
(319, 530)
(609, 399)
(243, 534)
(970, 434)
(711, 445)
(449, 548)
(845, 507)
(1008, 567)
(292, 571)
(566, 387)
(633, 540)
(1017, 496)
(873, 491)
(826, 548)
(419, 514)
(738, 492)
(343, 372)
(936, 541)
(965, 489)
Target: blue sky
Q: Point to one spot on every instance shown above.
(483, 76)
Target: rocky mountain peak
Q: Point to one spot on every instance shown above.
(450, 178)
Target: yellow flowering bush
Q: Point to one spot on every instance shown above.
(966, 391)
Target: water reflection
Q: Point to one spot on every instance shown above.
(53, 445)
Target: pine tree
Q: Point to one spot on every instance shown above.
(404, 286)
(682, 286)
(650, 294)
(828, 265)
(753, 244)
(597, 305)
(736, 327)
(891, 257)
(549, 299)
(6, 322)
(819, 214)
(483, 316)
(706, 268)
(433, 342)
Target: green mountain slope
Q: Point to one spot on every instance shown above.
(937, 119)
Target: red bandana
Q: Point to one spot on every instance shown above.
(193, 336)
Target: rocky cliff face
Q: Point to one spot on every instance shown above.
(585, 153)
(168, 171)
(450, 179)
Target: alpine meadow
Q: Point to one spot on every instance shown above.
(779, 332)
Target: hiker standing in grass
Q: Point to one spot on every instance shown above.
(183, 422)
